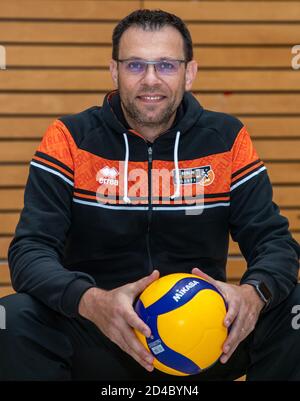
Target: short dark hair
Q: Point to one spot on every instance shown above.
(152, 20)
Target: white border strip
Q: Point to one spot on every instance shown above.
(128, 208)
(248, 178)
(110, 206)
(174, 208)
(53, 172)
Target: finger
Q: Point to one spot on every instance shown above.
(243, 333)
(225, 357)
(136, 346)
(143, 283)
(232, 312)
(133, 320)
(125, 345)
(203, 275)
(238, 332)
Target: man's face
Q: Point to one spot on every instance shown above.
(136, 89)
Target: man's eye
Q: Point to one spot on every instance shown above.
(135, 65)
(166, 66)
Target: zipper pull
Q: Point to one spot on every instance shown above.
(150, 153)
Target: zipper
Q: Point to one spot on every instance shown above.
(150, 151)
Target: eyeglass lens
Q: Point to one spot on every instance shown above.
(164, 67)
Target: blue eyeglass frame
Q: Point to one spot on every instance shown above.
(151, 62)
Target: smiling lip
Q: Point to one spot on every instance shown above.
(151, 98)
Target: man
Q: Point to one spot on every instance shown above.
(149, 184)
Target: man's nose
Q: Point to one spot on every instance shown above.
(150, 75)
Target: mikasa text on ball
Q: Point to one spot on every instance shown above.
(185, 314)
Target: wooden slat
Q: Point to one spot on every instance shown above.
(270, 126)
(287, 173)
(11, 199)
(230, 10)
(4, 274)
(22, 151)
(56, 80)
(273, 149)
(208, 33)
(59, 104)
(247, 80)
(287, 196)
(188, 10)
(8, 222)
(4, 244)
(24, 127)
(90, 80)
(13, 175)
(27, 127)
(96, 56)
(235, 268)
(243, 33)
(60, 56)
(252, 103)
(55, 32)
(66, 9)
(7, 290)
(245, 57)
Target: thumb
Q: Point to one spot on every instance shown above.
(203, 275)
(144, 282)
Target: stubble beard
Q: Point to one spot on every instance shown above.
(141, 119)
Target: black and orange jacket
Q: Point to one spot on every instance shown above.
(103, 207)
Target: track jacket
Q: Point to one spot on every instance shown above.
(103, 207)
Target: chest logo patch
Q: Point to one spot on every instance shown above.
(203, 175)
(108, 175)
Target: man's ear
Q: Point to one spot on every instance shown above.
(113, 67)
(190, 74)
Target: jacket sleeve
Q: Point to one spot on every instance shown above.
(35, 254)
(262, 233)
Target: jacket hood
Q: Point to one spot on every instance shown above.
(188, 114)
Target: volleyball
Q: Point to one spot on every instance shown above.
(185, 314)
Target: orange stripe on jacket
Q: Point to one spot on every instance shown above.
(243, 151)
(53, 165)
(247, 171)
(58, 143)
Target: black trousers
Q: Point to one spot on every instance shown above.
(40, 344)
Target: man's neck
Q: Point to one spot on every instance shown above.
(148, 132)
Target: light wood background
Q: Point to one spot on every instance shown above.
(57, 53)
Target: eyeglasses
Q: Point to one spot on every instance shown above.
(162, 67)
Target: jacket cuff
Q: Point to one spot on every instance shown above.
(72, 296)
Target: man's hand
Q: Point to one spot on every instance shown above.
(112, 312)
(244, 307)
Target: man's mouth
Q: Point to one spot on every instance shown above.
(151, 98)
